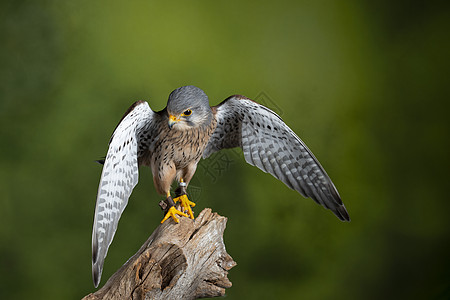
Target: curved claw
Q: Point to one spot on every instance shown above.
(186, 204)
(173, 212)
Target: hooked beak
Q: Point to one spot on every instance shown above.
(172, 121)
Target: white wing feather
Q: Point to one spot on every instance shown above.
(119, 177)
(269, 144)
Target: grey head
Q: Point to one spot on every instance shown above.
(188, 106)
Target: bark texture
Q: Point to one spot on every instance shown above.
(179, 261)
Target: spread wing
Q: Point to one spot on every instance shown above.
(119, 177)
(269, 144)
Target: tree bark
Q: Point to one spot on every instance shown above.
(179, 261)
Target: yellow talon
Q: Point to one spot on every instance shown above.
(173, 212)
(185, 204)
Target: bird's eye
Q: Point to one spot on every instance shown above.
(187, 112)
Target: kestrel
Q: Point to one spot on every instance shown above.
(172, 142)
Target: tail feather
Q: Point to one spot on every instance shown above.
(101, 160)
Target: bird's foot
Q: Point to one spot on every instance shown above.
(185, 204)
(173, 212)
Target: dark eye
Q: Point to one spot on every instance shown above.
(187, 112)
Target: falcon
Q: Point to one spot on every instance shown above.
(172, 141)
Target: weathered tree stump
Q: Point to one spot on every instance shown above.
(179, 261)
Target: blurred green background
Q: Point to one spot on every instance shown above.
(363, 83)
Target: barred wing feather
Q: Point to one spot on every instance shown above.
(269, 144)
(119, 177)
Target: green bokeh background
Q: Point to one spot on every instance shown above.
(363, 83)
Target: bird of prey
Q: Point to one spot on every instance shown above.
(172, 142)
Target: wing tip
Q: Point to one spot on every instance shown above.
(342, 213)
(339, 208)
(94, 252)
(96, 275)
(96, 265)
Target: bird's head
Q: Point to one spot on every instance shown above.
(187, 107)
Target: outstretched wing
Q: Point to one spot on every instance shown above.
(119, 177)
(269, 144)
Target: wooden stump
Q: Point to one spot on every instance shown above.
(179, 261)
